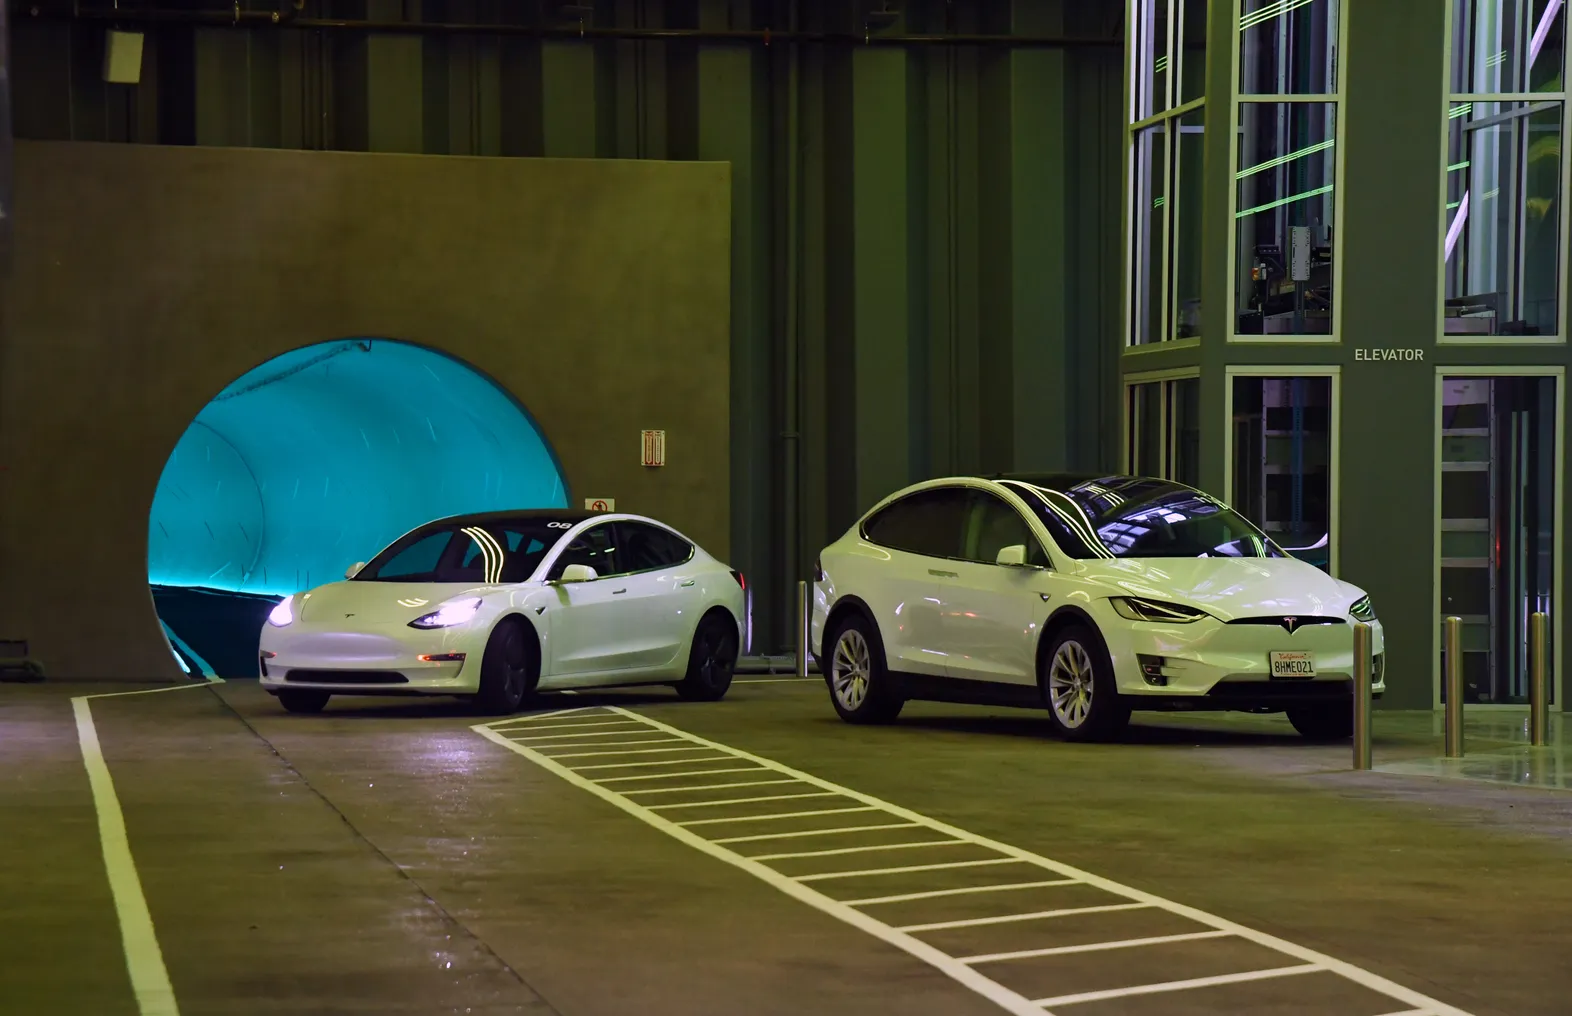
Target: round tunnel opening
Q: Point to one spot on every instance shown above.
(316, 460)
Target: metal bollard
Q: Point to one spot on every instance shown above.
(1453, 664)
(1361, 696)
(804, 624)
(1538, 685)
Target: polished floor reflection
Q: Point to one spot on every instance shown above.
(1496, 749)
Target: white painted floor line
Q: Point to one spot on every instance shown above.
(1186, 985)
(668, 762)
(1065, 950)
(704, 786)
(962, 891)
(738, 800)
(831, 831)
(857, 850)
(775, 817)
(552, 714)
(1409, 1012)
(566, 726)
(674, 776)
(636, 751)
(572, 738)
(911, 867)
(949, 965)
(155, 996)
(977, 922)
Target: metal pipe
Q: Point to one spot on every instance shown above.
(1452, 661)
(1362, 661)
(804, 622)
(764, 37)
(1538, 685)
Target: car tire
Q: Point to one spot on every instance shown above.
(712, 660)
(1323, 721)
(303, 700)
(1078, 687)
(861, 687)
(509, 670)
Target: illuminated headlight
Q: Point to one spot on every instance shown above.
(1133, 608)
(282, 614)
(1362, 610)
(448, 615)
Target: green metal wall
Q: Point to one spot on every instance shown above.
(925, 244)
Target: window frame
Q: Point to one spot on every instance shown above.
(1334, 440)
(977, 494)
(1235, 100)
(1564, 227)
(648, 524)
(1166, 402)
(1557, 664)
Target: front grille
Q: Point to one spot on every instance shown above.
(346, 677)
(1289, 622)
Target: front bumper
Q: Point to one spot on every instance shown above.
(1231, 663)
(376, 660)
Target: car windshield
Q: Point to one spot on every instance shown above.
(486, 551)
(1138, 517)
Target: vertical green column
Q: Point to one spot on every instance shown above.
(1216, 228)
(395, 76)
(880, 307)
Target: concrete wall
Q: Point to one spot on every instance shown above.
(925, 243)
(147, 278)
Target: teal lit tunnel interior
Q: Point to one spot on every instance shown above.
(318, 459)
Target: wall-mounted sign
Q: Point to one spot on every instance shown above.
(654, 448)
(1388, 353)
(600, 504)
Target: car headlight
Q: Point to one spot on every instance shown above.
(1362, 610)
(283, 613)
(1133, 608)
(449, 614)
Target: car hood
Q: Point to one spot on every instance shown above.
(358, 603)
(1231, 587)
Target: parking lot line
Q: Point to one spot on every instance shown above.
(983, 863)
(966, 974)
(638, 751)
(779, 816)
(857, 850)
(1186, 985)
(642, 765)
(737, 800)
(832, 831)
(978, 922)
(672, 776)
(964, 890)
(563, 726)
(706, 786)
(1086, 947)
(571, 737)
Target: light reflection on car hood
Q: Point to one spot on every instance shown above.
(359, 603)
(1230, 587)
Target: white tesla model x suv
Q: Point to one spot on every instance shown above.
(497, 606)
(1089, 595)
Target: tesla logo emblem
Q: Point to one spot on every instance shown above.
(1290, 623)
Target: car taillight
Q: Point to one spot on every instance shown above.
(742, 580)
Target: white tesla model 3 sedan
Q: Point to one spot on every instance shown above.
(496, 606)
(1089, 595)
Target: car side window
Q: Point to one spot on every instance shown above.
(646, 547)
(994, 524)
(930, 522)
(596, 548)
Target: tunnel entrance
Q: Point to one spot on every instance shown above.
(315, 460)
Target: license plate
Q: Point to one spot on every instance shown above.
(1293, 665)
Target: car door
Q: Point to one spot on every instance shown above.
(922, 532)
(663, 594)
(591, 623)
(994, 607)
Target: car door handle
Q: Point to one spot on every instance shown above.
(687, 583)
(944, 574)
(618, 592)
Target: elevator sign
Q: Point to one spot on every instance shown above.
(654, 448)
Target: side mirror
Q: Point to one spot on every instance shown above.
(1012, 556)
(354, 569)
(578, 573)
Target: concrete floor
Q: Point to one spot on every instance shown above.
(385, 857)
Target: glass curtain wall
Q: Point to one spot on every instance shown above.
(1167, 61)
(1503, 250)
(1163, 429)
(1285, 169)
(1282, 467)
(1499, 456)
